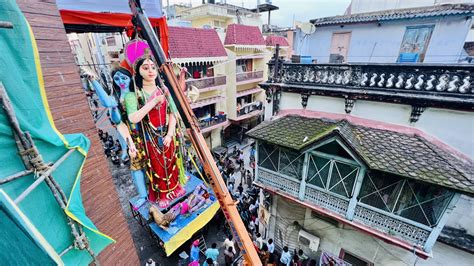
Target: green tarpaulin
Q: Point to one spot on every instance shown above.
(20, 73)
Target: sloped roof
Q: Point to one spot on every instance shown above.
(274, 40)
(397, 14)
(243, 35)
(405, 155)
(185, 42)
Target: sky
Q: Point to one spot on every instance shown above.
(301, 10)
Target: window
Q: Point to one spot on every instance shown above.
(268, 156)
(332, 175)
(244, 65)
(415, 43)
(285, 161)
(353, 259)
(291, 163)
(110, 41)
(334, 148)
(413, 200)
(219, 24)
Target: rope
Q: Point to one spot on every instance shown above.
(197, 168)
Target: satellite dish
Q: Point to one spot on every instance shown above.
(308, 28)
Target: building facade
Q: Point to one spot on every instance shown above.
(202, 53)
(246, 68)
(366, 170)
(430, 34)
(218, 16)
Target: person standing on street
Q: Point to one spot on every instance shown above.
(271, 250)
(195, 253)
(241, 159)
(264, 255)
(229, 256)
(210, 262)
(285, 258)
(229, 243)
(240, 189)
(212, 252)
(259, 240)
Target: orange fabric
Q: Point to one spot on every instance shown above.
(117, 20)
(125, 65)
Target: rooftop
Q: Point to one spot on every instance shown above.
(243, 35)
(274, 40)
(388, 151)
(187, 42)
(398, 14)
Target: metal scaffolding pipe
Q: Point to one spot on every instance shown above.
(15, 176)
(42, 176)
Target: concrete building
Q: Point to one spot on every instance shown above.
(98, 51)
(429, 34)
(247, 66)
(219, 16)
(201, 52)
(365, 162)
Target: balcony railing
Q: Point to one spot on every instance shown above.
(207, 82)
(399, 82)
(212, 121)
(249, 76)
(363, 214)
(250, 107)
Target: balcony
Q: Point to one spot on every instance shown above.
(207, 83)
(249, 77)
(316, 163)
(206, 10)
(210, 123)
(425, 85)
(249, 110)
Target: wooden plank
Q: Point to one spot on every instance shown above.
(43, 33)
(60, 69)
(35, 7)
(53, 46)
(58, 60)
(71, 79)
(47, 21)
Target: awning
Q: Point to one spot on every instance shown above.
(151, 7)
(110, 16)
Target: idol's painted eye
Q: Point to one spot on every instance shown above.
(116, 78)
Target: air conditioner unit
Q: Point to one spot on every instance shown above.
(308, 241)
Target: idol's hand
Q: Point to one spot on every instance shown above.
(167, 140)
(132, 150)
(157, 98)
(166, 91)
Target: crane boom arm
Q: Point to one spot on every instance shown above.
(226, 202)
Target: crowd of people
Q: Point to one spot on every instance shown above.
(265, 249)
(247, 197)
(112, 149)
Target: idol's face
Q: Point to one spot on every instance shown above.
(122, 80)
(148, 71)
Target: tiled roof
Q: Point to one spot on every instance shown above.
(274, 40)
(243, 35)
(187, 42)
(405, 155)
(396, 14)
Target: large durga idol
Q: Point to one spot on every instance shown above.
(149, 107)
